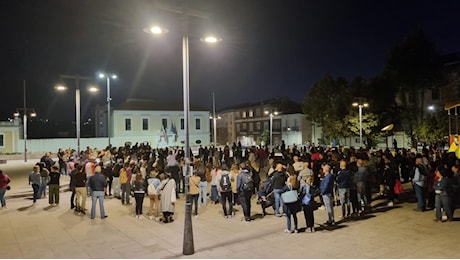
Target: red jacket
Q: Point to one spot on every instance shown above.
(4, 180)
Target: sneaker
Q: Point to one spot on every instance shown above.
(296, 231)
(105, 217)
(390, 204)
(141, 217)
(312, 230)
(287, 231)
(151, 217)
(196, 216)
(137, 216)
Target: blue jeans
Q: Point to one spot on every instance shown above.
(288, 218)
(214, 193)
(344, 195)
(97, 195)
(44, 184)
(278, 201)
(202, 199)
(2, 197)
(420, 197)
(327, 199)
(36, 188)
(443, 201)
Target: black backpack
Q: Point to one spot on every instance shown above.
(225, 183)
(247, 182)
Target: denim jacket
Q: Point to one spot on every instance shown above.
(440, 187)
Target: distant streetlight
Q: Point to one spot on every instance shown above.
(25, 112)
(360, 104)
(62, 87)
(271, 115)
(214, 118)
(108, 76)
(188, 245)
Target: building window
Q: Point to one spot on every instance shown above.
(127, 124)
(244, 114)
(243, 126)
(145, 124)
(182, 124)
(2, 140)
(238, 127)
(251, 127)
(258, 126)
(251, 113)
(164, 123)
(266, 125)
(197, 124)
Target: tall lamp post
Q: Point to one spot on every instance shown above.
(108, 76)
(214, 118)
(360, 104)
(188, 245)
(62, 87)
(25, 112)
(271, 115)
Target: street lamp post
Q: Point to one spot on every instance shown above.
(214, 118)
(32, 114)
(77, 79)
(108, 76)
(188, 244)
(271, 115)
(360, 104)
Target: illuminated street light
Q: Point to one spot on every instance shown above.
(271, 115)
(62, 87)
(360, 104)
(25, 112)
(188, 245)
(108, 76)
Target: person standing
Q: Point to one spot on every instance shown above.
(167, 188)
(125, 182)
(45, 177)
(194, 191)
(153, 183)
(54, 186)
(97, 183)
(80, 189)
(294, 207)
(418, 183)
(279, 179)
(224, 189)
(199, 170)
(442, 199)
(4, 181)
(139, 194)
(343, 179)
(326, 189)
(243, 184)
(72, 186)
(307, 204)
(35, 181)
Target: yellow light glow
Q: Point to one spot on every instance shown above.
(61, 87)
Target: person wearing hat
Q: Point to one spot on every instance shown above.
(279, 179)
(152, 190)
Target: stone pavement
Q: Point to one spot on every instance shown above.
(42, 231)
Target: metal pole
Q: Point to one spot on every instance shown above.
(214, 118)
(360, 125)
(25, 124)
(77, 114)
(271, 131)
(108, 108)
(188, 245)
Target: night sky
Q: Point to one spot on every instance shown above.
(270, 48)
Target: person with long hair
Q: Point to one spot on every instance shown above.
(139, 194)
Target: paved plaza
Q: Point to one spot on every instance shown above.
(42, 231)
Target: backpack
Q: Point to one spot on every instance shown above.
(225, 183)
(123, 176)
(151, 190)
(247, 182)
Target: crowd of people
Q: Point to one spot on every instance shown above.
(232, 176)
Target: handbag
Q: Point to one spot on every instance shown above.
(398, 189)
(289, 196)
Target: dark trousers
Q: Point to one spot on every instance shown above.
(139, 197)
(245, 201)
(194, 200)
(226, 196)
(354, 200)
(109, 186)
(72, 198)
(236, 201)
(309, 217)
(36, 189)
